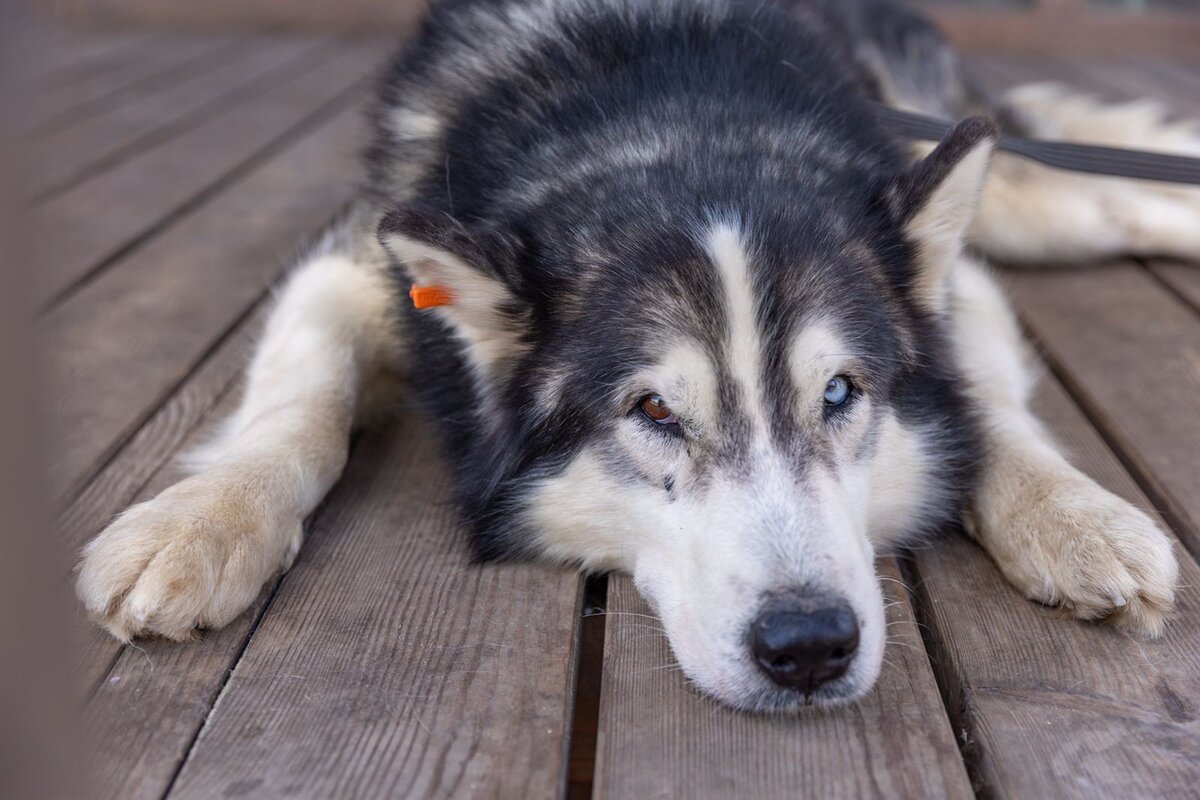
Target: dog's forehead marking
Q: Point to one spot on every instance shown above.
(816, 353)
(744, 354)
(686, 375)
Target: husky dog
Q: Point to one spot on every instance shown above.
(697, 316)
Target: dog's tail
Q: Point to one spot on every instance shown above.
(1032, 214)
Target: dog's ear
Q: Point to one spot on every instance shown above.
(468, 278)
(936, 201)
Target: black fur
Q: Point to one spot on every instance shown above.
(756, 112)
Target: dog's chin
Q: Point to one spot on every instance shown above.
(767, 699)
(745, 688)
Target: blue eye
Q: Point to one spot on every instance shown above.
(837, 391)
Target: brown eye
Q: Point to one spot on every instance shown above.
(657, 410)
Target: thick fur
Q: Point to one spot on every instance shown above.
(691, 199)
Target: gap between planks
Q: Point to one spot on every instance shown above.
(85, 248)
(108, 139)
(80, 53)
(1143, 475)
(1050, 705)
(326, 113)
(386, 501)
(180, 55)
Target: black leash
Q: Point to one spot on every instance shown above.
(1088, 158)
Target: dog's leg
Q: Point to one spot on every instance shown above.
(1056, 535)
(1034, 214)
(198, 553)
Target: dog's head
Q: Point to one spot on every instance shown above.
(738, 408)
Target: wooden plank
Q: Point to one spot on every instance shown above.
(82, 150)
(143, 468)
(1130, 351)
(159, 439)
(1179, 87)
(1183, 279)
(89, 225)
(146, 711)
(1160, 33)
(1001, 72)
(660, 738)
(1116, 78)
(35, 723)
(126, 341)
(1111, 77)
(1054, 708)
(152, 61)
(388, 665)
(149, 699)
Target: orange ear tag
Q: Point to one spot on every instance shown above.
(430, 296)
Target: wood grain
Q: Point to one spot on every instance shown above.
(660, 738)
(146, 191)
(160, 438)
(1055, 708)
(123, 130)
(1183, 279)
(390, 666)
(143, 468)
(147, 709)
(125, 342)
(151, 698)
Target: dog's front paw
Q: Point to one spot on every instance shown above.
(193, 557)
(1074, 544)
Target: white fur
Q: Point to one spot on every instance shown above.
(901, 490)
(939, 227)
(198, 553)
(475, 315)
(815, 356)
(1056, 534)
(705, 552)
(728, 255)
(1035, 214)
(705, 560)
(409, 123)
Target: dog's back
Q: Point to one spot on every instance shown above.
(509, 82)
(503, 80)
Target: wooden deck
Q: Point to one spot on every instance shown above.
(179, 172)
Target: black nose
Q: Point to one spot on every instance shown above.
(802, 641)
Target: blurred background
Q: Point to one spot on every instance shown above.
(1079, 26)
